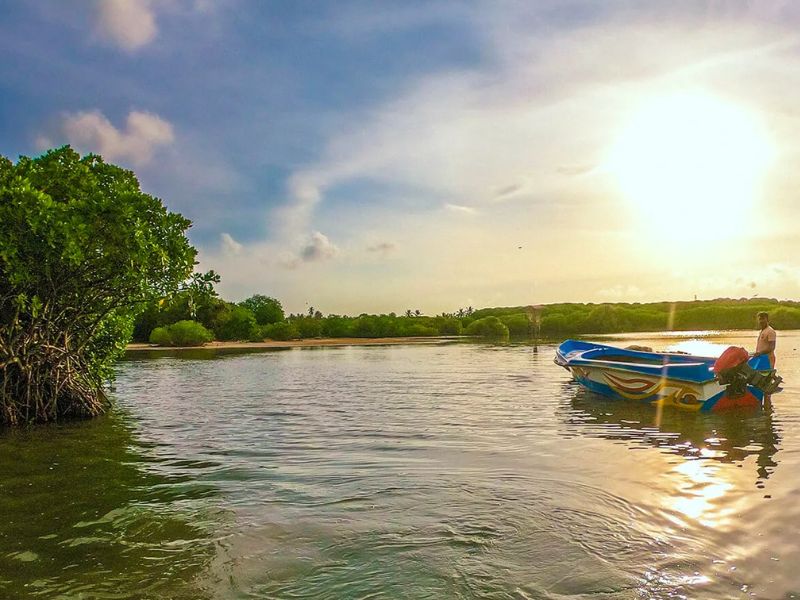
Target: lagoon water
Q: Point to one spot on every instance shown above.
(421, 471)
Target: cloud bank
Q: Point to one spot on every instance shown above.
(91, 131)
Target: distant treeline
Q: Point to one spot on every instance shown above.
(196, 315)
(187, 320)
(554, 320)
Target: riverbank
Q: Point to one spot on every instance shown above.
(307, 343)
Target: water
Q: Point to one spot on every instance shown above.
(444, 471)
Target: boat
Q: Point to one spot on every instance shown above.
(685, 381)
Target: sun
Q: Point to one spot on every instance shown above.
(693, 165)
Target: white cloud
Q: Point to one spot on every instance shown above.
(536, 126)
(230, 247)
(91, 131)
(382, 248)
(130, 24)
(304, 189)
(521, 137)
(304, 195)
(319, 248)
(458, 208)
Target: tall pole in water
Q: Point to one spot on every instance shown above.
(534, 312)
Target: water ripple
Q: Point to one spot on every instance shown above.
(457, 471)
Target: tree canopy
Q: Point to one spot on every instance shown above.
(82, 248)
(265, 309)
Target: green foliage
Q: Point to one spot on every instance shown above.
(448, 326)
(308, 327)
(182, 333)
(239, 324)
(785, 318)
(161, 337)
(488, 327)
(282, 331)
(518, 324)
(335, 326)
(196, 299)
(199, 291)
(213, 313)
(552, 320)
(82, 251)
(419, 330)
(368, 326)
(266, 310)
(560, 320)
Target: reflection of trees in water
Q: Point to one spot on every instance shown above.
(83, 516)
(729, 437)
(211, 353)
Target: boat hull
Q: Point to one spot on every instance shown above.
(674, 393)
(678, 381)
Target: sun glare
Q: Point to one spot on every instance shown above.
(693, 164)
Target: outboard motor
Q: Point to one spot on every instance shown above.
(731, 370)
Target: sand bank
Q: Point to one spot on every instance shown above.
(303, 343)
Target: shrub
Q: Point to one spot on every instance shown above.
(308, 327)
(418, 330)
(281, 331)
(365, 327)
(182, 333)
(258, 334)
(450, 326)
(488, 327)
(239, 324)
(189, 333)
(519, 324)
(160, 336)
(336, 326)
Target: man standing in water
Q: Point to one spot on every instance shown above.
(766, 339)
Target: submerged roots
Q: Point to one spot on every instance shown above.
(45, 383)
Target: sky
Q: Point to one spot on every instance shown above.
(383, 156)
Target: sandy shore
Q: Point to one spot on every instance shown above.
(302, 343)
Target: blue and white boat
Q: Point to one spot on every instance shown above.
(669, 379)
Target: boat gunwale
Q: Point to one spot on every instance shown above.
(654, 371)
(698, 371)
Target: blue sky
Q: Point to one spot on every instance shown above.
(378, 156)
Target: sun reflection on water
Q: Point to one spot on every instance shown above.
(699, 487)
(698, 347)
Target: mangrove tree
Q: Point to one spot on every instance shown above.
(82, 250)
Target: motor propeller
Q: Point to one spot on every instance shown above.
(732, 370)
